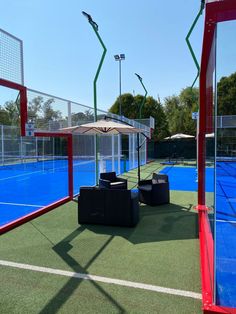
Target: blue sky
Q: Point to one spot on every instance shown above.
(61, 51)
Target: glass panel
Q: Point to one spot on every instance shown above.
(225, 222)
(83, 161)
(34, 173)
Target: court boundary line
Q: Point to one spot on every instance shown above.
(119, 282)
(18, 204)
(229, 221)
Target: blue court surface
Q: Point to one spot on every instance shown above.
(28, 187)
(225, 235)
(184, 178)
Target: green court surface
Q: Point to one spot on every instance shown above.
(161, 253)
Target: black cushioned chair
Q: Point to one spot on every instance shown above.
(156, 191)
(108, 207)
(109, 180)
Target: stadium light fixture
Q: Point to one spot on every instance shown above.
(120, 58)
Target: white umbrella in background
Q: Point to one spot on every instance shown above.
(210, 135)
(178, 136)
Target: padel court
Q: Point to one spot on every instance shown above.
(26, 187)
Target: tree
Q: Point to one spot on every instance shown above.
(34, 108)
(178, 110)
(128, 106)
(154, 108)
(151, 107)
(4, 117)
(49, 114)
(226, 95)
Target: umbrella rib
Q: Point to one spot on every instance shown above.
(86, 131)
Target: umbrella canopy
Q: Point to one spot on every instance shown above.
(103, 127)
(178, 135)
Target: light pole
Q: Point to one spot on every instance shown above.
(120, 58)
(95, 28)
(144, 98)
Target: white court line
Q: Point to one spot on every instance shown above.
(230, 221)
(20, 175)
(16, 204)
(119, 282)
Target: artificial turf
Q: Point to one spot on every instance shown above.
(161, 250)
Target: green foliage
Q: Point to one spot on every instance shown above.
(130, 108)
(178, 110)
(175, 116)
(10, 113)
(226, 95)
(82, 117)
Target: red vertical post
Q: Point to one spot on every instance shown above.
(206, 102)
(70, 165)
(23, 109)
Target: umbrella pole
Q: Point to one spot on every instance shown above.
(138, 158)
(138, 146)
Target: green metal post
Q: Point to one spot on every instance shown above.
(144, 98)
(95, 28)
(98, 71)
(143, 102)
(189, 44)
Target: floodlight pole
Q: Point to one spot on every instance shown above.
(189, 44)
(120, 58)
(95, 28)
(144, 98)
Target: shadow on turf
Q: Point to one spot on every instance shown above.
(63, 250)
(162, 223)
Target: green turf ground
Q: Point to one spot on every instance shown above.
(162, 250)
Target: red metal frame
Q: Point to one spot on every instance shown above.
(45, 209)
(218, 11)
(32, 215)
(23, 101)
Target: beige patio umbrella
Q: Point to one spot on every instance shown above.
(103, 127)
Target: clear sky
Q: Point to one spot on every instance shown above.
(61, 51)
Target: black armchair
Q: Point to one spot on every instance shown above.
(109, 180)
(155, 191)
(108, 207)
